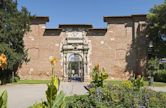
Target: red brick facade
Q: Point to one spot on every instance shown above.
(120, 48)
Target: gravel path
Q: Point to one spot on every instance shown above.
(24, 95)
(158, 89)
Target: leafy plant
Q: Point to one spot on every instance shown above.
(39, 105)
(3, 99)
(116, 96)
(54, 99)
(98, 76)
(155, 71)
(138, 82)
(160, 76)
(127, 84)
(153, 66)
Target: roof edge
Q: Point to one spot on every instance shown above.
(106, 18)
(44, 18)
(75, 25)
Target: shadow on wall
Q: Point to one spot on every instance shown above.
(137, 53)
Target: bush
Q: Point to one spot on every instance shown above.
(138, 82)
(78, 101)
(118, 96)
(160, 76)
(98, 76)
(13, 60)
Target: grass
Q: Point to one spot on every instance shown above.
(155, 84)
(115, 82)
(33, 82)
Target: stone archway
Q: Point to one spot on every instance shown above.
(75, 45)
(75, 67)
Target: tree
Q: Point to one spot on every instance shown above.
(157, 29)
(14, 24)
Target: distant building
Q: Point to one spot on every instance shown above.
(120, 48)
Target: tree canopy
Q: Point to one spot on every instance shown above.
(157, 29)
(14, 24)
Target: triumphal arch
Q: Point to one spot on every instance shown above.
(75, 50)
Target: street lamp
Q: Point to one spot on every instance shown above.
(151, 44)
(150, 51)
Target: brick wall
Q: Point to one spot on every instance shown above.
(121, 50)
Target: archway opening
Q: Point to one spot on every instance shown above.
(75, 67)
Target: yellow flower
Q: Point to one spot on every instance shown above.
(3, 61)
(52, 60)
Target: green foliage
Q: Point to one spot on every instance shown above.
(13, 59)
(52, 90)
(160, 76)
(3, 99)
(154, 70)
(137, 83)
(38, 105)
(54, 99)
(78, 101)
(127, 84)
(13, 25)
(98, 76)
(111, 96)
(59, 101)
(157, 27)
(153, 66)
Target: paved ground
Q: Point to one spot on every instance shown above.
(24, 95)
(158, 89)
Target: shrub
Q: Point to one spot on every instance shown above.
(138, 82)
(13, 60)
(118, 96)
(78, 101)
(98, 76)
(160, 76)
(127, 84)
(153, 66)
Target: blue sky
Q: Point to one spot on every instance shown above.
(85, 11)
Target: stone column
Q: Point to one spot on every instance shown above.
(85, 66)
(65, 66)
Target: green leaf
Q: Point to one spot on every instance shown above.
(59, 100)
(3, 99)
(55, 82)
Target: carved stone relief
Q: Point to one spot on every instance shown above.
(75, 43)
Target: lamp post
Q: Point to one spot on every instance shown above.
(150, 51)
